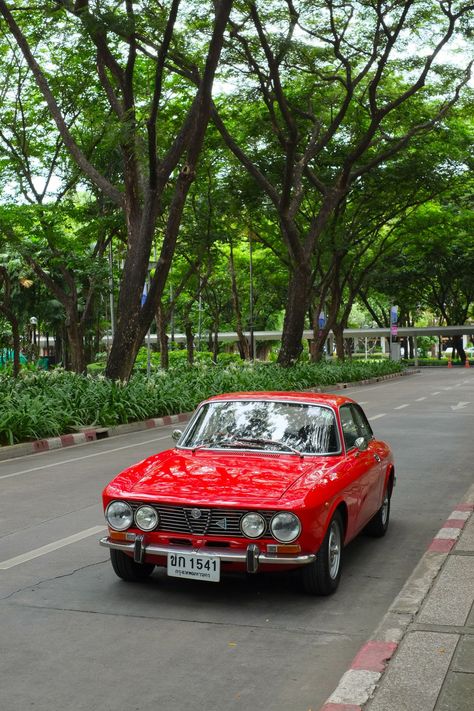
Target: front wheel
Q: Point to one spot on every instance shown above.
(323, 575)
(126, 568)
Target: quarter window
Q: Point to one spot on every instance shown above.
(349, 426)
(354, 424)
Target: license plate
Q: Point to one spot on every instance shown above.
(193, 565)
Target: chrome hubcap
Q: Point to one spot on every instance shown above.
(334, 549)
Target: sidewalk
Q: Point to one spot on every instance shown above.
(422, 655)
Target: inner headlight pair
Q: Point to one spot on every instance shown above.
(284, 526)
(119, 515)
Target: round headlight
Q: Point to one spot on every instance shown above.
(146, 518)
(285, 527)
(119, 515)
(252, 525)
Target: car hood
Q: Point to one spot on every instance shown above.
(231, 477)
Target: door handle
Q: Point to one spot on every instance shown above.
(377, 458)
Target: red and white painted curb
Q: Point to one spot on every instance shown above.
(167, 420)
(451, 529)
(91, 434)
(358, 685)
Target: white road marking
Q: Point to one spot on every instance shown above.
(436, 393)
(86, 456)
(459, 406)
(376, 417)
(419, 399)
(400, 407)
(37, 552)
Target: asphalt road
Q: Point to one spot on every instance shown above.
(73, 636)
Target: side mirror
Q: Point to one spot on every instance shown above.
(361, 444)
(176, 434)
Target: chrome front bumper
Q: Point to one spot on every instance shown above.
(252, 556)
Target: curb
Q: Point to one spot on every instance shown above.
(359, 684)
(87, 435)
(367, 381)
(91, 434)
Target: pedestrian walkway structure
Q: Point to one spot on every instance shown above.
(403, 332)
(384, 335)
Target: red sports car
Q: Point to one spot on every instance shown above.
(256, 482)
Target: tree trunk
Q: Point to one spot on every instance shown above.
(13, 321)
(319, 334)
(243, 343)
(215, 343)
(318, 341)
(297, 305)
(338, 330)
(128, 336)
(76, 346)
(458, 346)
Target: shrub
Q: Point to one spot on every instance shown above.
(43, 404)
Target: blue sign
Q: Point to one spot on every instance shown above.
(394, 315)
(144, 293)
(322, 320)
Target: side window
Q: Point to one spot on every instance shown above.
(363, 426)
(349, 426)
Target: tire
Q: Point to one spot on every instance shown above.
(126, 568)
(322, 576)
(378, 525)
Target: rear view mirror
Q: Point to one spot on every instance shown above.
(361, 444)
(176, 434)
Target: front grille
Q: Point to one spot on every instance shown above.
(201, 520)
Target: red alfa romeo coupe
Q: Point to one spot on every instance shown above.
(257, 482)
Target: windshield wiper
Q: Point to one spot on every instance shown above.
(262, 440)
(238, 442)
(245, 442)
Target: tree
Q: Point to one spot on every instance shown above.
(8, 311)
(329, 98)
(433, 266)
(132, 48)
(369, 231)
(63, 246)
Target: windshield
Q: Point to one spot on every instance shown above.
(262, 424)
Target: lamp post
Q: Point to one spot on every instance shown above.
(33, 323)
(394, 344)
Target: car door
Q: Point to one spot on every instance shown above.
(364, 465)
(374, 495)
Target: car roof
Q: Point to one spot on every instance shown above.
(311, 398)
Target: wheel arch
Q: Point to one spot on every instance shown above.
(390, 478)
(344, 512)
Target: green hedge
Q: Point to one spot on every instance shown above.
(47, 404)
(434, 362)
(176, 358)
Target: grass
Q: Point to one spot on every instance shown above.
(47, 404)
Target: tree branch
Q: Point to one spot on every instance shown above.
(108, 189)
